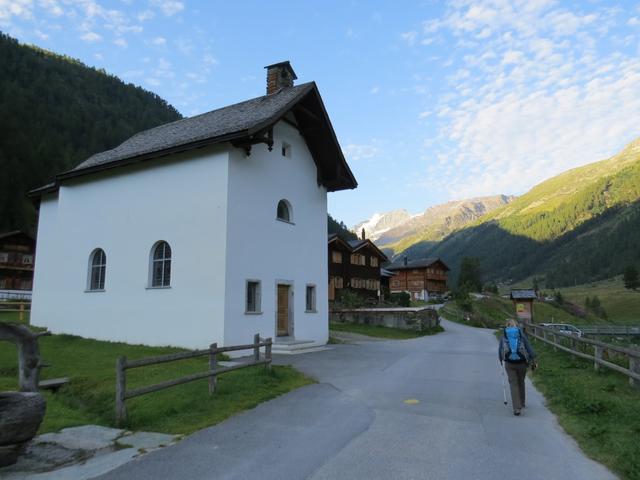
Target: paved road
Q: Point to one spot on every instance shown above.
(355, 424)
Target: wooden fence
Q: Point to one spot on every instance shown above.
(609, 330)
(122, 365)
(23, 309)
(599, 352)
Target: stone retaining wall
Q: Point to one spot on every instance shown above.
(405, 318)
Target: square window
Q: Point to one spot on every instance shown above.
(286, 150)
(253, 297)
(311, 298)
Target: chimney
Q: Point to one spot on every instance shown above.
(363, 235)
(279, 75)
(406, 260)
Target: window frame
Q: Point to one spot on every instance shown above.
(258, 297)
(287, 205)
(314, 297)
(152, 262)
(102, 269)
(286, 150)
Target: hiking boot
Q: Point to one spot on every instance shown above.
(516, 412)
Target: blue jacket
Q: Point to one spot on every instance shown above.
(524, 348)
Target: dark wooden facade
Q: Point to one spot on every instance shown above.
(421, 278)
(17, 254)
(354, 265)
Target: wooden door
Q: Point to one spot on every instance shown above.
(283, 310)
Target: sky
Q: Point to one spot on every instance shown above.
(431, 101)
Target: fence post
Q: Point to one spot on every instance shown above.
(555, 342)
(256, 348)
(121, 388)
(267, 354)
(213, 365)
(597, 354)
(21, 314)
(634, 366)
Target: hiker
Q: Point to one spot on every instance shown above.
(517, 355)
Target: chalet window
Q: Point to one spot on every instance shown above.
(338, 282)
(286, 150)
(161, 265)
(97, 270)
(4, 257)
(253, 297)
(358, 259)
(395, 283)
(284, 211)
(374, 261)
(311, 298)
(336, 257)
(27, 259)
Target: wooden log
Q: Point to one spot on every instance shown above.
(20, 416)
(53, 384)
(256, 348)
(29, 363)
(121, 391)
(213, 365)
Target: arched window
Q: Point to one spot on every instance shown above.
(97, 269)
(161, 265)
(284, 211)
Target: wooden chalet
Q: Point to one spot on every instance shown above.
(17, 250)
(420, 278)
(354, 265)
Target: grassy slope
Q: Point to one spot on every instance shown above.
(622, 305)
(600, 410)
(183, 409)
(380, 331)
(581, 216)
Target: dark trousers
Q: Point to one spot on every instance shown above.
(516, 373)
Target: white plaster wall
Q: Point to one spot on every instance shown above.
(183, 200)
(263, 248)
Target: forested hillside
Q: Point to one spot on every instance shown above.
(579, 226)
(54, 113)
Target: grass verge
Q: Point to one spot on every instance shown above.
(383, 332)
(89, 398)
(598, 409)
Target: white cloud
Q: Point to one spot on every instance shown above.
(41, 35)
(15, 8)
(154, 82)
(168, 7)
(409, 37)
(542, 93)
(159, 41)
(121, 42)
(91, 37)
(356, 152)
(374, 90)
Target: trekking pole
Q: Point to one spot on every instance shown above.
(504, 386)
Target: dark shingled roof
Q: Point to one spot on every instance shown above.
(234, 122)
(523, 294)
(240, 117)
(420, 263)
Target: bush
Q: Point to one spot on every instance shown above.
(350, 299)
(402, 299)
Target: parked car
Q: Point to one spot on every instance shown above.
(564, 328)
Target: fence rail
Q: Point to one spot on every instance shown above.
(122, 365)
(23, 308)
(598, 352)
(609, 329)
